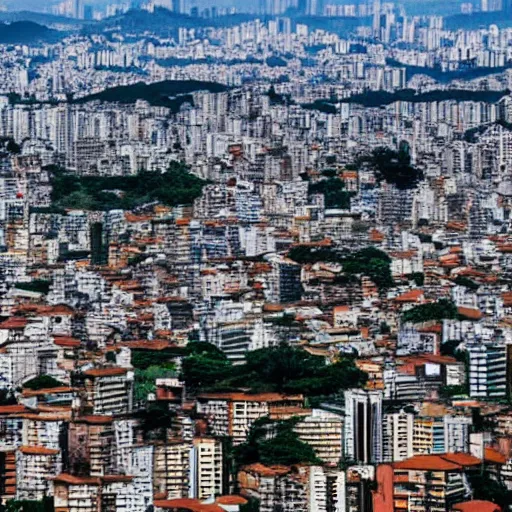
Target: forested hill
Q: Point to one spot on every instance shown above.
(26, 32)
(170, 93)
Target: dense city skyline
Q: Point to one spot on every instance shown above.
(256, 256)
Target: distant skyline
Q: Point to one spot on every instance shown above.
(37, 5)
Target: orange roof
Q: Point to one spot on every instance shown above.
(15, 322)
(464, 459)
(187, 504)
(12, 409)
(37, 450)
(248, 397)
(47, 391)
(410, 296)
(492, 455)
(105, 372)
(66, 342)
(77, 480)
(476, 506)
(94, 420)
(470, 313)
(263, 470)
(447, 462)
(231, 500)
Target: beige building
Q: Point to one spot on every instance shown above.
(232, 414)
(206, 468)
(323, 431)
(35, 466)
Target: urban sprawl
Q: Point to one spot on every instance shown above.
(256, 261)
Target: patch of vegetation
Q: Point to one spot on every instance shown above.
(373, 263)
(26, 32)
(304, 255)
(469, 72)
(46, 505)
(143, 359)
(273, 443)
(417, 277)
(325, 106)
(448, 392)
(276, 62)
(43, 382)
(284, 369)
(145, 380)
(204, 367)
(171, 94)
(450, 348)
(37, 285)
(96, 193)
(440, 310)
(467, 283)
(383, 98)
(7, 397)
(155, 420)
(394, 167)
(334, 192)
(487, 489)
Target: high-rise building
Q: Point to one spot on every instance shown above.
(78, 9)
(178, 6)
(376, 18)
(363, 426)
(398, 431)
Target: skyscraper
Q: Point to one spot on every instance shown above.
(376, 18)
(363, 426)
(78, 9)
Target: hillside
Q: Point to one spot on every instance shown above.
(170, 93)
(26, 32)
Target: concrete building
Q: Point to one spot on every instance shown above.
(363, 426)
(232, 414)
(323, 431)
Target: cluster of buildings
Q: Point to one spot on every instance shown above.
(271, 251)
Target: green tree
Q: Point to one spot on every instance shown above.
(145, 380)
(440, 310)
(272, 443)
(333, 190)
(43, 382)
(204, 367)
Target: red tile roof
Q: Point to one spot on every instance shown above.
(248, 397)
(15, 322)
(446, 462)
(105, 372)
(476, 506)
(187, 504)
(494, 456)
(410, 296)
(470, 313)
(231, 500)
(37, 450)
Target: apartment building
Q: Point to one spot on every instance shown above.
(172, 469)
(35, 468)
(363, 425)
(206, 468)
(432, 482)
(488, 367)
(397, 436)
(108, 391)
(232, 414)
(323, 431)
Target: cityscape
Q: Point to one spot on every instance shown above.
(255, 256)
